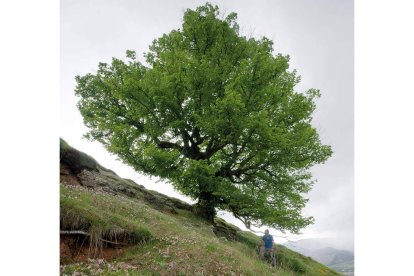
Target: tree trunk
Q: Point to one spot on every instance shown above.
(205, 207)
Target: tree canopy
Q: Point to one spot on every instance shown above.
(214, 113)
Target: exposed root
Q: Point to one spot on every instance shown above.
(79, 232)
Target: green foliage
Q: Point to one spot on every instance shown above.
(216, 114)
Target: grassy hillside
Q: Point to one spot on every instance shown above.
(111, 226)
(167, 244)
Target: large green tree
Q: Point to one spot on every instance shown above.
(215, 114)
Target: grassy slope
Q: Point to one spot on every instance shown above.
(167, 244)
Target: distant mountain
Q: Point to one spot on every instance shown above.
(318, 249)
(331, 256)
(346, 268)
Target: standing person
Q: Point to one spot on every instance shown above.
(267, 246)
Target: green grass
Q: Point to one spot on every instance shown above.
(166, 244)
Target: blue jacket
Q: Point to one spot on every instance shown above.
(268, 241)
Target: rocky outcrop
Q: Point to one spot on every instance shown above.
(80, 169)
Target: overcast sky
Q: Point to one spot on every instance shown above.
(318, 35)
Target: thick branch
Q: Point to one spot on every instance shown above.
(245, 221)
(168, 145)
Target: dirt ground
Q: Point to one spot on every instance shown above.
(75, 248)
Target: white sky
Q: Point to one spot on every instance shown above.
(318, 35)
